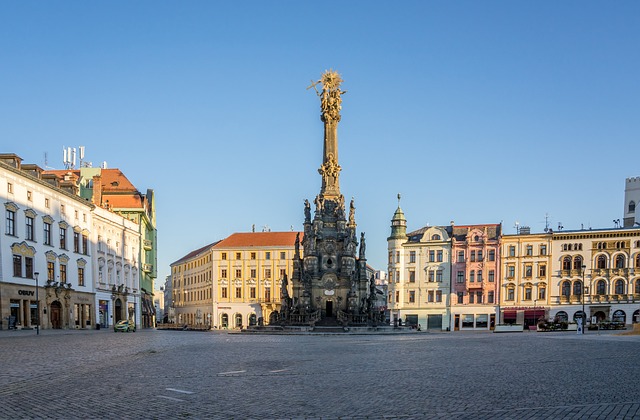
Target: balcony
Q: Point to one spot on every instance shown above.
(475, 285)
(147, 268)
(147, 244)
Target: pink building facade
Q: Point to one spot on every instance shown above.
(475, 276)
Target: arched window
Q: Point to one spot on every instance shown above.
(619, 316)
(637, 261)
(577, 263)
(566, 288)
(577, 288)
(435, 237)
(562, 316)
(632, 207)
(620, 260)
(601, 287)
(601, 261)
(566, 263)
(638, 287)
(619, 287)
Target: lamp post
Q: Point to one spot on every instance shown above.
(584, 315)
(35, 276)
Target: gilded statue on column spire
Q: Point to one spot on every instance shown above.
(330, 97)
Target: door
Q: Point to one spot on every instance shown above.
(329, 312)
(456, 323)
(434, 322)
(56, 313)
(117, 311)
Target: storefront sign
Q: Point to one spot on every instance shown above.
(26, 292)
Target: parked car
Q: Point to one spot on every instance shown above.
(125, 325)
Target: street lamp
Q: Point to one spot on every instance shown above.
(35, 276)
(584, 315)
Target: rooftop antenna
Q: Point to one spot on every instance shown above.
(560, 227)
(517, 226)
(546, 222)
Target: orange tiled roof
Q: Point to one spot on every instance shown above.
(115, 180)
(258, 239)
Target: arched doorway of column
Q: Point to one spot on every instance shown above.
(117, 311)
(56, 315)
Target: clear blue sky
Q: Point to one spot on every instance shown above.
(477, 112)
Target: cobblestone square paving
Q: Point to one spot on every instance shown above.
(215, 375)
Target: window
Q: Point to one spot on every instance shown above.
(439, 255)
(439, 276)
(252, 256)
(438, 295)
(238, 293)
(566, 263)
(63, 238)
(479, 276)
(412, 296)
(472, 276)
(529, 250)
(542, 270)
(430, 276)
(223, 293)
(435, 237)
(267, 273)
(63, 273)
(283, 255)
(472, 297)
(601, 287)
(638, 286)
(9, 188)
(543, 250)
(253, 273)
(492, 255)
(267, 294)
(412, 256)
(492, 276)
(46, 203)
(577, 288)
(460, 297)
(619, 286)
(601, 262)
(430, 296)
(479, 297)
(510, 293)
(51, 271)
(460, 256)
(11, 223)
(223, 256)
(397, 256)
(62, 209)
(85, 244)
(577, 263)
(527, 293)
(17, 266)
(460, 277)
(480, 255)
(223, 273)
(473, 256)
(238, 255)
(76, 242)
(80, 276)
(252, 292)
(432, 256)
(632, 207)
(638, 258)
(283, 272)
(542, 293)
(267, 255)
(512, 251)
(620, 261)
(397, 296)
(490, 296)
(29, 228)
(412, 276)
(238, 273)
(47, 233)
(511, 271)
(528, 270)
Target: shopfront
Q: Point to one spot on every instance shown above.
(19, 307)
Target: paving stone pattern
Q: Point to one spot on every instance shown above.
(215, 375)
